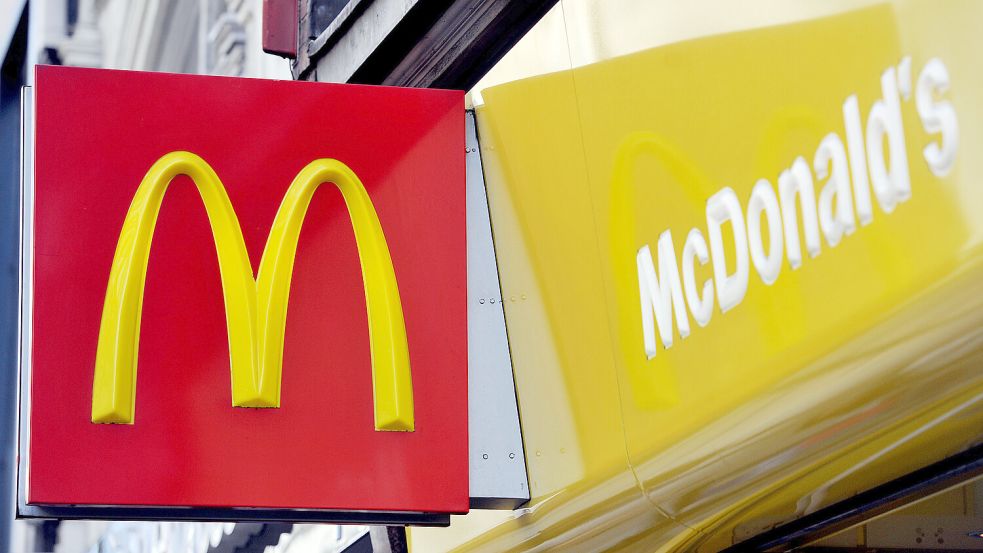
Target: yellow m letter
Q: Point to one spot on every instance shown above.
(256, 310)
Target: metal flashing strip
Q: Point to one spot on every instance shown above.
(869, 504)
(498, 478)
(24, 290)
(194, 514)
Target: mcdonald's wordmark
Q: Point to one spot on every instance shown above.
(300, 348)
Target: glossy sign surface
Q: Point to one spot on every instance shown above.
(97, 135)
(855, 364)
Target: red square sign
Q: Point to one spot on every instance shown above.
(306, 239)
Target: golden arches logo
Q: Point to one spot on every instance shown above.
(256, 309)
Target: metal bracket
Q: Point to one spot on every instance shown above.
(497, 460)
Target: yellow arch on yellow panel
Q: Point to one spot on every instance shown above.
(256, 310)
(654, 387)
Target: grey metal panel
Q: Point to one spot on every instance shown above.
(497, 461)
(25, 288)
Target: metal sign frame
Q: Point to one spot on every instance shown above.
(497, 460)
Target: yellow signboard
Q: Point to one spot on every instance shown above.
(747, 265)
